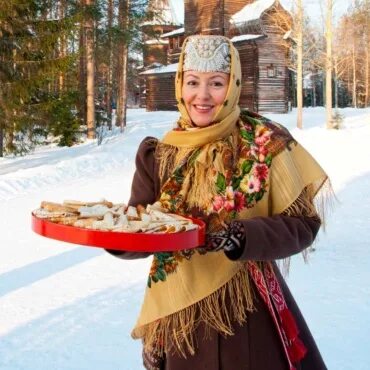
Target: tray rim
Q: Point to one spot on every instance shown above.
(125, 242)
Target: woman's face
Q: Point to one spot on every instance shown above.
(203, 94)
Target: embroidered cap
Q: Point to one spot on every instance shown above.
(207, 53)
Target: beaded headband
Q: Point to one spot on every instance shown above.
(207, 53)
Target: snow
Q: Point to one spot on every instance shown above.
(246, 37)
(68, 307)
(179, 31)
(252, 12)
(156, 42)
(170, 68)
(287, 35)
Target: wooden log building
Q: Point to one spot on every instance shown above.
(257, 31)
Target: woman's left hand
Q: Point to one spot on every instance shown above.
(229, 239)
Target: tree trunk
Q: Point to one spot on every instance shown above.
(1, 139)
(300, 65)
(62, 45)
(329, 65)
(9, 139)
(2, 128)
(336, 82)
(367, 100)
(354, 77)
(122, 63)
(90, 73)
(82, 72)
(110, 64)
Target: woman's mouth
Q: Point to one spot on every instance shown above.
(203, 108)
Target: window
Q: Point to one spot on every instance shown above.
(271, 71)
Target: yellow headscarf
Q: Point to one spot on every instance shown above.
(225, 117)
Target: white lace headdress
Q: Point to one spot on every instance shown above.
(207, 53)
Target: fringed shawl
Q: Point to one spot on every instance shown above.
(271, 174)
(241, 166)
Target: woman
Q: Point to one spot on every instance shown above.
(225, 305)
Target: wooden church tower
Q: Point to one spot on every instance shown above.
(164, 21)
(211, 17)
(263, 47)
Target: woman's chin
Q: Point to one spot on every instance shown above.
(202, 121)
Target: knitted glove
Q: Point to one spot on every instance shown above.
(229, 239)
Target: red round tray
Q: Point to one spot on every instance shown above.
(136, 242)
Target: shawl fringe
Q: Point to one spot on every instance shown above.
(310, 203)
(175, 332)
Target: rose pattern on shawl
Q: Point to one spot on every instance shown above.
(240, 186)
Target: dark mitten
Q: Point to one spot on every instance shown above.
(229, 239)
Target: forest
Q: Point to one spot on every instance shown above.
(65, 66)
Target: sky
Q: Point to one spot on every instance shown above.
(314, 8)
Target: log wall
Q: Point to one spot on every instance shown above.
(211, 17)
(160, 92)
(155, 53)
(248, 52)
(175, 44)
(203, 16)
(273, 89)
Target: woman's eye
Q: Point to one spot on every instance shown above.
(191, 83)
(217, 84)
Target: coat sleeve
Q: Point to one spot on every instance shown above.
(275, 237)
(145, 186)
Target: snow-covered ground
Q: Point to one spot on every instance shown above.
(67, 307)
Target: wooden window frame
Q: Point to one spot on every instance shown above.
(271, 71)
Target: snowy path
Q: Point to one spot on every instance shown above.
(65, 307)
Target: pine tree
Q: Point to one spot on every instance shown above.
(32, 102)
(353, 52)
(329, 64)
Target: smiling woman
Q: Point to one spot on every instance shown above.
(225, 305)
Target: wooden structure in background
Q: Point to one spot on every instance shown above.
(155, 55)
(253, 27)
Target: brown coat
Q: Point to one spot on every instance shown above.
(255, 345)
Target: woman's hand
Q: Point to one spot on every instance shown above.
(230, 239)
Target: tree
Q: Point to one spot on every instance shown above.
(50, 53)
(110, 64)
(299, 31)
(124, 6)
(31, 64)
(352, 52)
(90, 69)
(329, 63)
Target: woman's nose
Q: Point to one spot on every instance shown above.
(203, 92)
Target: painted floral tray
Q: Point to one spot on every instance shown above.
(133, 242)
